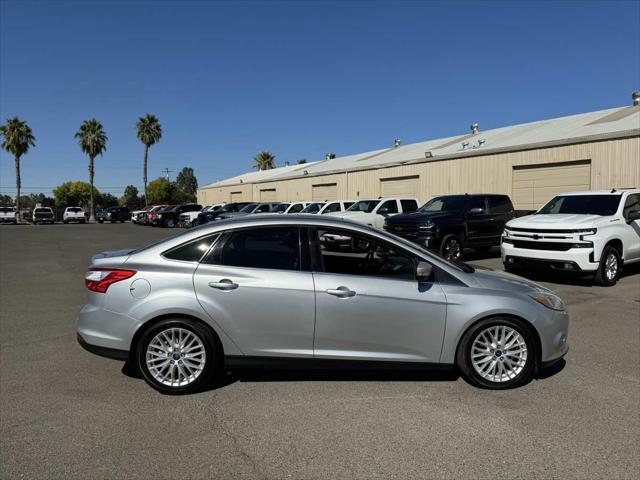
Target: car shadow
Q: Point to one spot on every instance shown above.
(471, 254)
(343, 375)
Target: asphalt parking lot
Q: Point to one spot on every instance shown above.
(68, 414)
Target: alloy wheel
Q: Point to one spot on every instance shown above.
(175, 357)
(452, 249)
(499, 353)
(611, 267)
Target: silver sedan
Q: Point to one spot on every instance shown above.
(305, 291)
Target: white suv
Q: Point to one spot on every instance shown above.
(374, 212)
(592, 232)
(73, 214)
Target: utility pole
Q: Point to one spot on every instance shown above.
(166, 172)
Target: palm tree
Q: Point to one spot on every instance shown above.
(265, 160)
(93, 142)
(18, 137)
(149, 132)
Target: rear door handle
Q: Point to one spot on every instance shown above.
(342, 292)
(224, 284)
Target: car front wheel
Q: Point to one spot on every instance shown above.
(610, 267)
(497, 353)
(451, 248)
(177, 356)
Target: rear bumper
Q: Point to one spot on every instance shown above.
(8, 220)
(103, 351)
(104, 329)
(576, 260)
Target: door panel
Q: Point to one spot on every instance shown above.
(384, 319)
(270, 312)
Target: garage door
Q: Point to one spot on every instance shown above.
(405, 186)
(324, 191)
(236, 197)
(535, 185)
(268, 195)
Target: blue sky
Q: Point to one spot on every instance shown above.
(297, 78)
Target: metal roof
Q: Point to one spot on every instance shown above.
(600, 125)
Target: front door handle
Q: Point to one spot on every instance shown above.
(224, 284)
(342, 292)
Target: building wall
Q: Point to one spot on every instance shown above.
(614, 163)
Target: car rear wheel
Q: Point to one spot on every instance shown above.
(610, 267)
(171, 223)
(497, 353)
(177, 356)
(451, 247)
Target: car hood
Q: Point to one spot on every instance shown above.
(416, 217)
(503, 281)
(111, 257)
(232, 214)
(555, 221)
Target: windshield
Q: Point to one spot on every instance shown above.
(281, 207)
(249, 208)
(454, 203)
(313, 208)
(6, 209)
(74, 209)
(582, 205)
(43, 210)
(366, 206)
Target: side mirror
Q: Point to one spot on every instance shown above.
(475, 211)
(424, 270)
(633, 215)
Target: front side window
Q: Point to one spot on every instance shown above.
(347, 253)
(332, 207)
(280, 208)
(582, 205)
(390, 206)
(366, 206)
(632, 204)
(451, 204)
(478, 202)
(191, 251)
(263, 208)
(274, 248)
(297, 207)
(409, 206)
(249, 208)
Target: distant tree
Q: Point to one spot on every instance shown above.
(159, 191)
(302, 161)
(187, 183)
(93, 141)
(265, 160)
(42, 199)
(107, 200)
(149, 132)
(130, 197)
(17, 138)
(6, 201)
(71, 194)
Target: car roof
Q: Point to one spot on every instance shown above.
(601, 192)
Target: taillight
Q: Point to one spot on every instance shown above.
(99, 279)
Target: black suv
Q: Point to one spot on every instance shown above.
(450, 223)
(113, 214)
(171, 216)
(210, 216)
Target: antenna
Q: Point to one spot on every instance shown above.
(166, 172)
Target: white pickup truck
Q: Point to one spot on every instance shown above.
(374, 212)
(594, 232)
(73, 214)
(8, 215)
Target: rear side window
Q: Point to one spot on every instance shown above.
(409, 206)
(478, 202)
(500, 204)
(275, 248)
(191, 251)
(632, 204)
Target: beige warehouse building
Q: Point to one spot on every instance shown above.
(529, 162)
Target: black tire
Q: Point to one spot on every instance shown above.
(212, 367)
(452, 248)
(463, 356)
(603, 275)
(121, 221)
(100, 221)
(83, 221)
(65, 222)
(171, 223)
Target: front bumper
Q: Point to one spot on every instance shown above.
(553, 329)
(429, 240)
(572, 260)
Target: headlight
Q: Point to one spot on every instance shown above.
(428, 225)
(586, 231)
(159, 215)
(549, 300)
